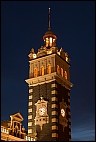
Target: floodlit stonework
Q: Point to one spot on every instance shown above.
(13, 130)
(49, 89)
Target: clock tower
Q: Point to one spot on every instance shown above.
(49, 116)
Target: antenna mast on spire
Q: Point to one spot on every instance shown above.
(49, 28)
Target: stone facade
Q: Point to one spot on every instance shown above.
(49, 82)
(13, 130)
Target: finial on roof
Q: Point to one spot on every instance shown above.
(49, 27)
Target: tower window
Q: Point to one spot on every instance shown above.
(29, 116)
(29, 123)
(30, 103)
(35, 72)
(29, 131)
(65, 74)
(58, 69)
(42, 70)
(30, 97)
(50, 41)
(47, 41)
(49, 69)
(29, 110)
(61, 72)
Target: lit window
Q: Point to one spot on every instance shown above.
(29, 123)
(65, 74)
(49, 69)
(29, 116)
(35, 72)
(58, 69)
(30, 97)
(29, 131)
(50, 41)
(53, 42)
(30, 90)
(1, 129)
(30, 110)
(26, 137)
(30, 103)
(47, 41)
(4, 130)
(7, 132)
(31, 139)
(61, 72)
(42, 70)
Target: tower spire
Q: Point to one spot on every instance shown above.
(49, 28)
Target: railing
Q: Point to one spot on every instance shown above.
(4, 130)
(28, 138)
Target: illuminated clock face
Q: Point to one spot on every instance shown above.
(42, 111)
(62, 112)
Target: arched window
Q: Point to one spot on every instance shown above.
(49, 69)
(49, 41)
(58, 69)
(42, 70)
(61, 72)
(65, 74)
(35, 72)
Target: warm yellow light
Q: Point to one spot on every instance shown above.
(65, 74)
(50, 39)
(34, 56)
(62, 112)
(61, 72)
(42, 70)
(58, 69)
(66, 58)
(49, 69)
(35, 72)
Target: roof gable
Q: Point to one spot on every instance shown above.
(17, 116)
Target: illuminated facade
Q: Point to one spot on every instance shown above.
(12, 130)
(49, 117)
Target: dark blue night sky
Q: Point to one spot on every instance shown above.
(23, 25)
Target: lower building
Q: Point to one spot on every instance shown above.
(12, 130)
